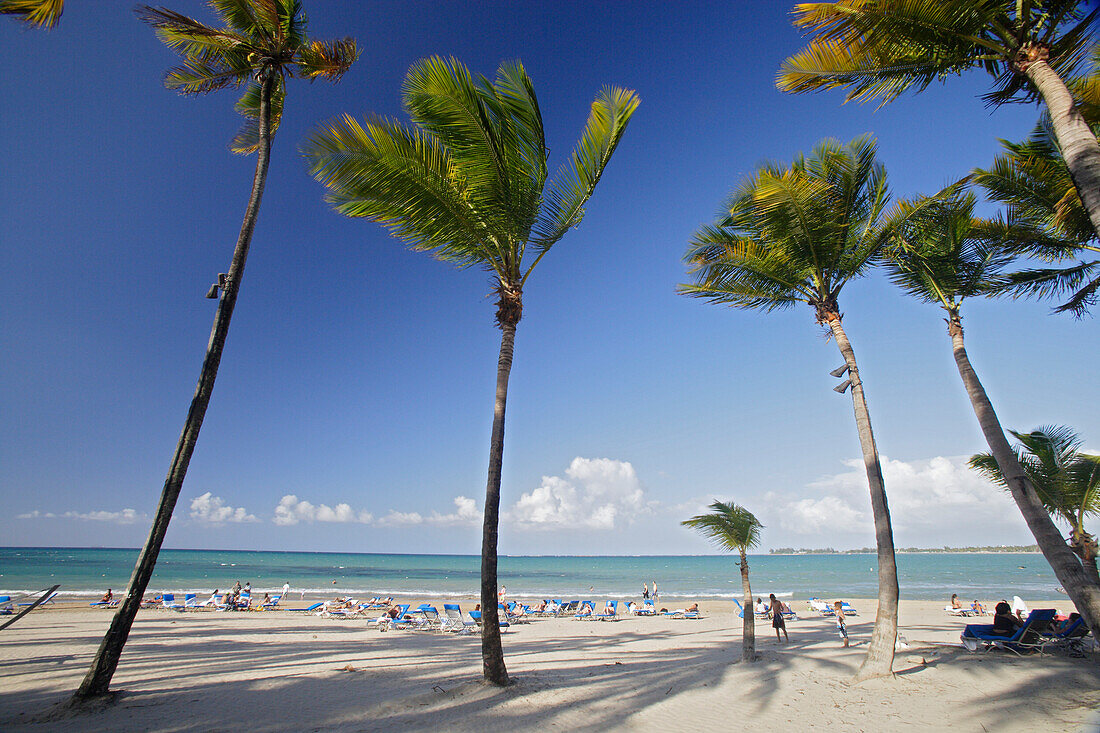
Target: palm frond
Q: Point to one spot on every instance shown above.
(247, 140)
(403, 178)
(35, 13)
(190, 38)
(327, 59)
(730, 526)
(563, 205)
(877, 49)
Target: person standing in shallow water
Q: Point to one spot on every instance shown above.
(777, 618)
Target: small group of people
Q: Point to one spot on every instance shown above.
(647, 593)
(976, 607)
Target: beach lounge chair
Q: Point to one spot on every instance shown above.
(191, 602)
(6, 606)
(681, 613)
(964, 611)
(426, 617)
(168, 600)
(98, 604)
(757, 614)
(613, 615)
(568, 608)
(314, 607)
(1070, 639)
(647, 609)
(476, 616)
(401, 620)
(1027, 637)
(272, 604)
(584, 613)
(51, 600)
(453, 620)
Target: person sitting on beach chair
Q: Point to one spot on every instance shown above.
(1005, 622)
(107, 597)
(977, 607)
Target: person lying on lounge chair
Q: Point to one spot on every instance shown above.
(760, 608)
(693, 608)
(977, 608)
(608, 608)
(107, 596)
(265, 601)
(1005, 622)
(955, 602)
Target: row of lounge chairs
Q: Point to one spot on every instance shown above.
(8, 606)
(1038, 633)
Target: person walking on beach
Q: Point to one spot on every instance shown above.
(645, 591)
(777, 618)
(286, 592)
(656, 596)
(501, 593)
(838, 610)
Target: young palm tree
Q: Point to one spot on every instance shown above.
(944, 255)
(263, 42)
(35, 13)
(467, 181)
(799, 235)
(734, 527)
(1032, 180)
(878, 49)
(1066, 480)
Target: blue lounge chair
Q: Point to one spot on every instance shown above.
(1027, 637)
(6, 606)
(314, 607)
(453, 620)
(168, 600)
(48, 600)
(272, 604)
(741, 611)
(612, 616)
(476, 616)
(1069, 639)
(647, 609)
(585, 611)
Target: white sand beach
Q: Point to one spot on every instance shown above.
(280, 671)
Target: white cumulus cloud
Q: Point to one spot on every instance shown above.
(212, 509)
(596, 493)
(292, 510)
(933, 501)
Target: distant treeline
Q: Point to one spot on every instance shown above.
(871, 550)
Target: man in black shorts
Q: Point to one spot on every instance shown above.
(777, 618)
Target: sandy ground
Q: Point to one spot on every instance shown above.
(278, 671)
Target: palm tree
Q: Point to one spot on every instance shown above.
(35, 13)
(263, 42)
(1032, 180)
(798, 235)
(877, 49)
(944, 255)
(1066, 480)
(734, 527)
(467, 181)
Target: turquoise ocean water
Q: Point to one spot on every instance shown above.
(84, 571)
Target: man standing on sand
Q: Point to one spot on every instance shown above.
(286, 591)
(777, 618)
(656, 595)
(645, 591)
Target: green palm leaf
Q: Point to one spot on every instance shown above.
(729, 526)
(35, 13)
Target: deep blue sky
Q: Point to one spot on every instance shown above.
(358, 372)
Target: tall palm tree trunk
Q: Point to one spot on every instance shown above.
(748, 627)
(492, 653)
(880, 653)
(1084, 592)
(1076, 140)
(98, 679)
